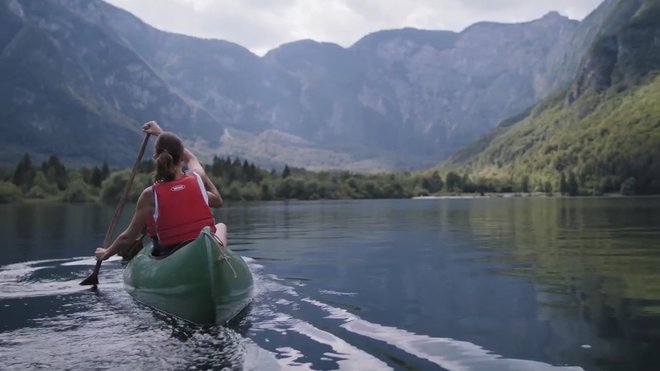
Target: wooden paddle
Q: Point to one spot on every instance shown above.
(93, 279)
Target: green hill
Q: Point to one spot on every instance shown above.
(602, 134)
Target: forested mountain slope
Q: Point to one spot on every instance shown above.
(603, 133)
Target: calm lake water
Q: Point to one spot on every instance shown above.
(457, 284)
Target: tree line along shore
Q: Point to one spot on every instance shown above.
(241, 180)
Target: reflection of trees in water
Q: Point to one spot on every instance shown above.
(625, 322)
(603, 253)
(36, 230)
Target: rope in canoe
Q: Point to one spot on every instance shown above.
(224, 257)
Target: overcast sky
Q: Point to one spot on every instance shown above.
(261, 25)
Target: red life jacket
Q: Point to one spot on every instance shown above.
(180, 211)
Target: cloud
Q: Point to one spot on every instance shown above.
(261, 25)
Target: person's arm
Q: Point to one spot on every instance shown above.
(133, 230)
(215, 199)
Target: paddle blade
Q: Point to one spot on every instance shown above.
(93, 278)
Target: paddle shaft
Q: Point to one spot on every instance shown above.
(93, 279)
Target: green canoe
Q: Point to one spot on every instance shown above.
(200, 282)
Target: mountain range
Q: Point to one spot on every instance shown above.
(79, 76)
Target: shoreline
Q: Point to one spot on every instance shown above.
(457, 196)
(469, 196)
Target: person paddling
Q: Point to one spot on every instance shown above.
(176, 208)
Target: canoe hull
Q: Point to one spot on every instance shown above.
(200, 282)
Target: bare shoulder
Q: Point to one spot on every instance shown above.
(146, 197)
(149, 191)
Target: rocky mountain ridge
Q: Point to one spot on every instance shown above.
(86, 73)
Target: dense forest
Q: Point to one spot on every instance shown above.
(599, 144)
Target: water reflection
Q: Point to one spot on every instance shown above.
(600, 256)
